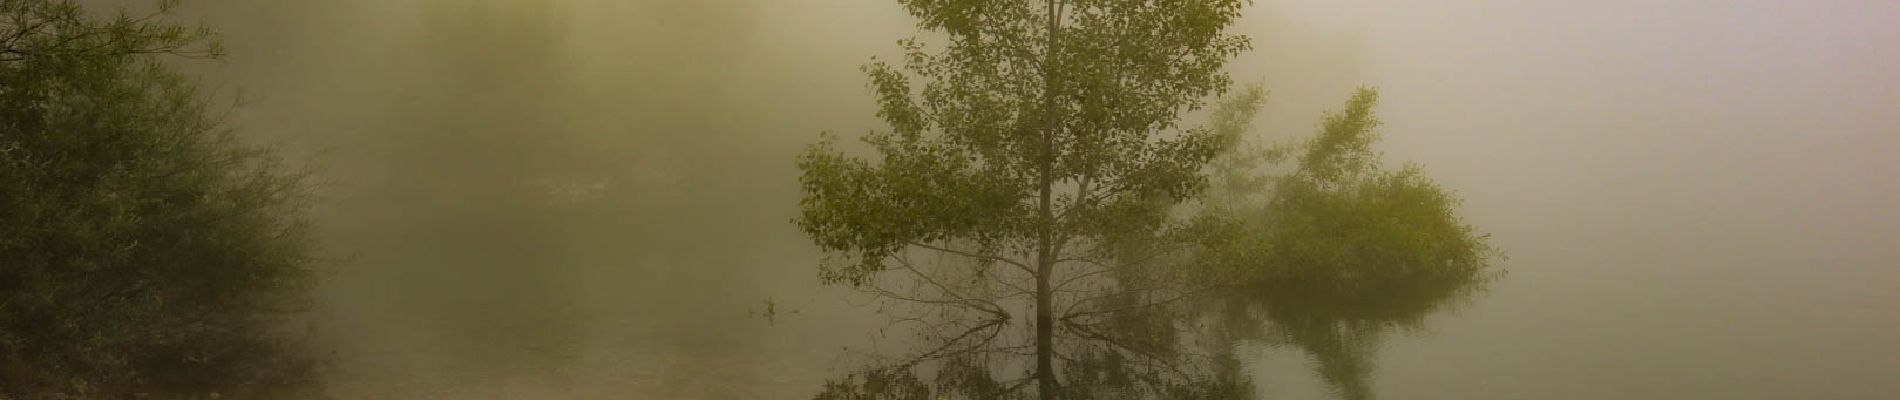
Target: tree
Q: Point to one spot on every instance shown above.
(1043, 143)
(143, 249)
(1335, 250)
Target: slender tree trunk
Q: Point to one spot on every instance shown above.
(1045, 330)
(1046, 252)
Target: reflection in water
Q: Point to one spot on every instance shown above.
(1188, 350)
(1338, 324)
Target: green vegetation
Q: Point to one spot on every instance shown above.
(1042, 166)
(143, 250)
(1339, 214)
(1336, 250)
(1043, 135)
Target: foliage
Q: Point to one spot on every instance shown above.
(966, 154)
(1339, 214)
(1043, 138)
(1337, 250)
(1043, 168)
(143, 249)
(1342, 215)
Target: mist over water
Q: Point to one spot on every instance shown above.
(590, 198)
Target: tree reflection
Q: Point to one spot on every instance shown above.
(1187, 350)
(1339, 323)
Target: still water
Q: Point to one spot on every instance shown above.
(1621, 317)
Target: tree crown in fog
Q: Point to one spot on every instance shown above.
(144, 250)
(1029, 158)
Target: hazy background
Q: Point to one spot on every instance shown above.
(590, 198)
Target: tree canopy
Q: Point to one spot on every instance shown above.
(1024, 148)
(144, 250)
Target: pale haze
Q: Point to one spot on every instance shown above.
(592, 198)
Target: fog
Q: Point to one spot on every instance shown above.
(591, 198)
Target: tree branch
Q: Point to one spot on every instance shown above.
(1001, 259)
(1086, 333)
(941, 351)
(994, 308)
(1068, 316)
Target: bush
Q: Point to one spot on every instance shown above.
(144, 251)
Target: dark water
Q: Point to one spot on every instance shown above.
(591, 199)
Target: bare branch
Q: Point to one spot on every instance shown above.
(1024, 267)
(1065, 282)
(942, 351)
(992, 308)
(886, 293)
(1084, 332)
(1067, 316)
